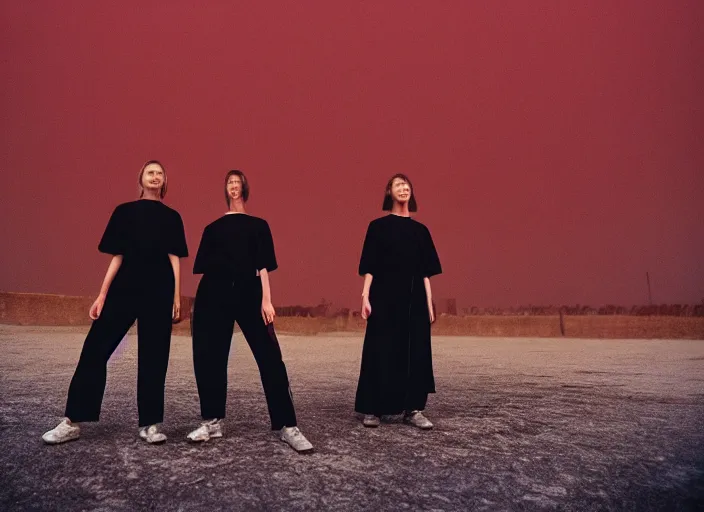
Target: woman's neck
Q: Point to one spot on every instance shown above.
(151, 195)
(400, 209)
(236, 206)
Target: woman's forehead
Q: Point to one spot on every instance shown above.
(153, 167)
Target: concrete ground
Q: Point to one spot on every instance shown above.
(520, 424)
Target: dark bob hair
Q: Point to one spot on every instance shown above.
(389, 201)
(245, 185)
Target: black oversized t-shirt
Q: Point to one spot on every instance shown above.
(234, 245)
(398, 245)
(144, 232)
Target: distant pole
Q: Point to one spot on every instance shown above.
(562, 324)
(650, 295)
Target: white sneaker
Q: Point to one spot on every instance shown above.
(296, 440)
(417, 419)
(152, 435)
(371, 421)
(64, 431)
(206, 431)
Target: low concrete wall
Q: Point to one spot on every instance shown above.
(48, 309)
(45, 309)
(602, 326)
(632, 327)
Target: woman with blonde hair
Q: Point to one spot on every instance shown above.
(146, 239)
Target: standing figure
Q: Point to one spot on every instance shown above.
(235, 256)
(142, 283)
(398, 259)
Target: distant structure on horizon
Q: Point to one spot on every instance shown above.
(446, 306)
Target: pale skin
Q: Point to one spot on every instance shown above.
(153, 180)
(401, 195)
(237, 206)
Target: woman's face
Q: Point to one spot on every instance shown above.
(153, 178)
(234, 187)
(400, 190)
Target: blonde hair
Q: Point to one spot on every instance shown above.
(162, 192)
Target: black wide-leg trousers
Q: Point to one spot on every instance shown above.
(218, 305)
(153, 315)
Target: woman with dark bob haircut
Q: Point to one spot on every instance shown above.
(235, 256)
(398, 259)
(142, 283)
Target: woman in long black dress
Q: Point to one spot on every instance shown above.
(235, 256)
(142, 283)
(398, 259)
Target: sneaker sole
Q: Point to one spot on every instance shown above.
(307, 451)
(62, 441)
(155, 442)
(162, 441)
(417, 426)
(205, 439)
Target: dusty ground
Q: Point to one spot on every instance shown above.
(521, 424)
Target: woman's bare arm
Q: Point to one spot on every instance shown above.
(268, 311)
(429, 294)
(176, 266)
(366, 305)
(97, 306)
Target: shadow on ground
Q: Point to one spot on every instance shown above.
(521, 424)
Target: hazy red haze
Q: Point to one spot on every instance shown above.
(556, 149)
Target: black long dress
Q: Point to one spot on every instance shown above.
(397, 369)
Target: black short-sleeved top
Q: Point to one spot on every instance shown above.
(144, 232)
(236, 244)
(398, 245)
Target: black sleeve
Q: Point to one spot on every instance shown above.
(369, 261)
(177, 241)
(431, 262)
(204, 255)
(265, 258)
(114, 239)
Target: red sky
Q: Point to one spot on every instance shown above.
(556, 150)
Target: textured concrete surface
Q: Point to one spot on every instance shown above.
(521, 424)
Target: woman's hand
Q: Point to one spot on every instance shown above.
(431, 311)
(366, 307)
(176, 311)
(97, 307)
(268, 312)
